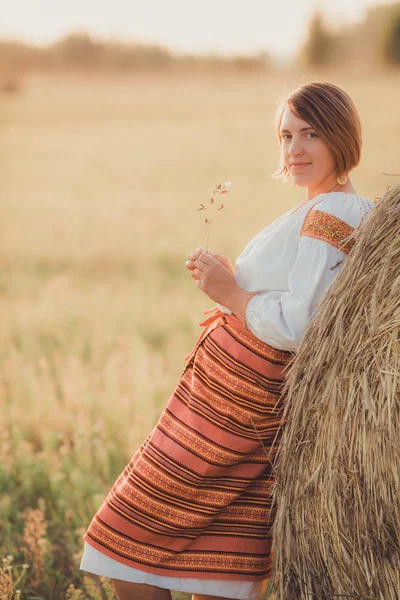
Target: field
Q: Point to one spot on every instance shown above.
(100, 184)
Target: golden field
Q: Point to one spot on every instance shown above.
(100, 182)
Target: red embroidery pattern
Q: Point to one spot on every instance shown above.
(208, 497)
(324, 226)
(190, 561)
(231, 407)
(236, 385)
(196, 497)
(169, 513)
(249, 340)
(196, 443)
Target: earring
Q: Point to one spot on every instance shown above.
(342, 179)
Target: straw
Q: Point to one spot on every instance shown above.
(337, 492)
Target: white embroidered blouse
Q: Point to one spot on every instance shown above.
(289, 264)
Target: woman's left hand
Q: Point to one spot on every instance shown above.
(214, 279)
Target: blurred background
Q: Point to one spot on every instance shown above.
(116, 121)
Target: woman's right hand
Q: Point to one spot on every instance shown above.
(221, 258)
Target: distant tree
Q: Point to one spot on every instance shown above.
(319, 46)
(248, 64)
(81, 50)
(77, 49)
(15, 55)
(390, 44)
(365, 44)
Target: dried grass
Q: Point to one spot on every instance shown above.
(35, 542)
(337, 532)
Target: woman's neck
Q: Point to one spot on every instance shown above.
(347, 188)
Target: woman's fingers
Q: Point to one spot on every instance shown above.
(193, 261)
(192, 264)
(193, 257)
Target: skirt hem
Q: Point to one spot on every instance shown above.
(173, 572)
(98, 563)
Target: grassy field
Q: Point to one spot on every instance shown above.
(100, 184)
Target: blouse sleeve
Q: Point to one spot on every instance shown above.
(279, 317)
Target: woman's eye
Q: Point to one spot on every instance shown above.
(288, 136)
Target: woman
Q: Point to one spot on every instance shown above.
(192, 509)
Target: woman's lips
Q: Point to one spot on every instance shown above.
(300, 166)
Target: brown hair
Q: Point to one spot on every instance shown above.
(332, 113)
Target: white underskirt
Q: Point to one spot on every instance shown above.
(98, 563)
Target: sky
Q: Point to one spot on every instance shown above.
(184, 26)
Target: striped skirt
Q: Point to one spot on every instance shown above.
(194, 501)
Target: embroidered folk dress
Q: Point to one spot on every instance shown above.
(191, 511)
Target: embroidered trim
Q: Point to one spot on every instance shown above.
(324, 226)
(249, 297)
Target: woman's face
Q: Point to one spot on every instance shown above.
(301, 143)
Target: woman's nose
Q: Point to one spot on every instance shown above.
(295, 147)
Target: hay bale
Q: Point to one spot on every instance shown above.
(337, 494)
